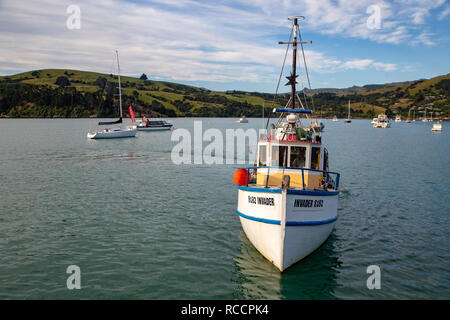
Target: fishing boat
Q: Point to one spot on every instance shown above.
(398, 118)
(287, 204)
(437, 127)
(242, 120)
(335, 119)
(153, 125)
(348, 120)
(382, 122)
(114, 132)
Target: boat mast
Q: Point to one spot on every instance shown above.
(292, 78)
(120, 88)
(348, 110)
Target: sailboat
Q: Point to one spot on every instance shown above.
(287, 205)
(348, 117)
(408, 120)
(114, 132)
(425, 118)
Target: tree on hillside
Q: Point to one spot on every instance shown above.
(62, 81)
(143, 77)
(101, 82)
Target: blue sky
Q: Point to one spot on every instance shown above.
(231, 44)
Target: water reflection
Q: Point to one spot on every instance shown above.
(315, 277)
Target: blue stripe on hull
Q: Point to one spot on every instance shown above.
(288, 223)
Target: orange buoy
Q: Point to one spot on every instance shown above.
(240, 177)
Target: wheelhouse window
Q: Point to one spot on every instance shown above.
(315, 158)
(298, 157)
(262, 156)
(279, 156)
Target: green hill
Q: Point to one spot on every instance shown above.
(73, 93)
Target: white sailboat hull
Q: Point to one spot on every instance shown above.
(286, 232)
(112, 133)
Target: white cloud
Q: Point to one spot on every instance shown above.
(189, 40)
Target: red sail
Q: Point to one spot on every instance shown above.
(131, 113)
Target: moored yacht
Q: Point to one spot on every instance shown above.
(381, 122)
(242, 120)
(348, 120)
(115, 132)
(437, 126)
(153, 125)
(287, 204)
(317, 125)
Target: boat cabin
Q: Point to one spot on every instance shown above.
(291, 150)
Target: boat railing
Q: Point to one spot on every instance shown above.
(330, 178)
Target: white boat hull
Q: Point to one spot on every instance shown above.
(112, 133)
(382, 125)
(290, 229)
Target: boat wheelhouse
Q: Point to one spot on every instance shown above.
(287, 203)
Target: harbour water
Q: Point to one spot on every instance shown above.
(141, 227)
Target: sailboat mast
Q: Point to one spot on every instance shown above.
(120, 88)
(348, 110)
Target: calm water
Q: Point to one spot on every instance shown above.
(140, 227)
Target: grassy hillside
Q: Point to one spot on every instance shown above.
(73, 93)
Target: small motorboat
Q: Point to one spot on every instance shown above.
(437, 127)
(242, 120)
(335, 119)
(381, 122)
(317, 125)
(398, 118)
(153, 125)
